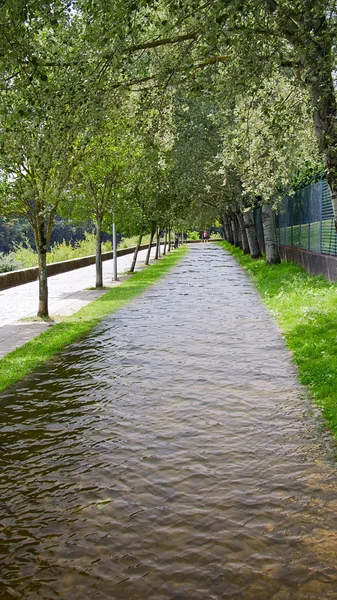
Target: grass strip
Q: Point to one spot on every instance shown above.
(305, 309)
(15, 365)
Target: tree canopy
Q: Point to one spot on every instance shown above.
(213, 106)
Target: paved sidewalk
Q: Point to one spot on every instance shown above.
(68, 292)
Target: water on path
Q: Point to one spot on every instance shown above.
(170, 455)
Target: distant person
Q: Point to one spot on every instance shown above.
(176, 242)
(205, 236)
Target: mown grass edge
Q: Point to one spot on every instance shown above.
(305, 309)
(25, 359)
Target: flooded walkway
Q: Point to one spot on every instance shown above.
(170, 455)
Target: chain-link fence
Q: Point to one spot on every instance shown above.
(305, 220)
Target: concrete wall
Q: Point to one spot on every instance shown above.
(315, 264)
(14, 278)
(21, 276)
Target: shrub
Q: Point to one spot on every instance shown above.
(215, 236)
(193, 235)
(8, 262)
(59, 252)
(25, 256)
(87, 247)
(129, 242)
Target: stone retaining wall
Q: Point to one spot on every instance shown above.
(21, 276)
(315, 264)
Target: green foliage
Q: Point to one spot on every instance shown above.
(168, 113)
(85, 247)
(268, 138)
(193, 235)
(26, 257)
(12, 231)
(128, 242)
(305, 308)
(8, 262)
(22, 361)
(306, 175)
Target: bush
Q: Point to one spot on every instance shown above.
(193, 235)
(59, 252)
(87, 247)
(215, 236)
(8, 263)
(24, 255)
(132, 241)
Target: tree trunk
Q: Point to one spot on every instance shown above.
(169, 241)
(157, 255)
(165, 242)
(234, 226)
(99, 268)
(243, 234)
(270, 237)
(249, 222)
(148, 254)
(43, 280)
(42, 228)
(135, 254)
(228, 230)
(41, 247)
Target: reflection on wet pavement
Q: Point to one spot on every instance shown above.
(170, 455)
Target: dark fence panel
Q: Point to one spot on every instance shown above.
(306, 220)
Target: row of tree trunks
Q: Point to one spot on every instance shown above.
(240, 231)
(41, 244)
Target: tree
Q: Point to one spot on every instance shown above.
(310, 29)
(97, 177)
(267, 136)
(40, 142)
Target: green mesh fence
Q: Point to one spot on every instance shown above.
(305, 220)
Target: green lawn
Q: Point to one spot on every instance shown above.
(25, 359)
(305, 308)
